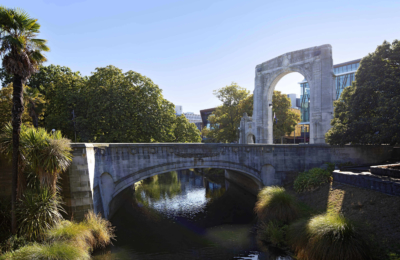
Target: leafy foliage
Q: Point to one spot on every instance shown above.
(328, 236)
(286, 120)
(275, 204)
(311, 179)
(30, 97)
(124, 107)
(368, 112)
(184, 131)
(226, 118)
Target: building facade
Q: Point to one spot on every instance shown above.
(344, 76)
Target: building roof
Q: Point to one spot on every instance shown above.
(207, 110)
(346, 63)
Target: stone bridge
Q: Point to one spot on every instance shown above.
(99, 172)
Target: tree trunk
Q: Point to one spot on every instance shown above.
(17, 109)
(33, 115)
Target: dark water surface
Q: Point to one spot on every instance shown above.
(185, 215)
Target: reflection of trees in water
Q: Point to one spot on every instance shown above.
(158, 187)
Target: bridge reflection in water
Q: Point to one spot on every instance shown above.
(186, 215)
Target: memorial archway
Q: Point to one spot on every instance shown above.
(316, 65)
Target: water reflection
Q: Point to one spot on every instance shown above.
(185, 215)
(178, 194)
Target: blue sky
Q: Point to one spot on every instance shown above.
(190, 48)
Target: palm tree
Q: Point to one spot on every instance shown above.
(21, 52)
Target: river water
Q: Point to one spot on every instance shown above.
(185, 215)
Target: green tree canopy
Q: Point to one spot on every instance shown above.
(368, 112)
(184, 131)
(226, 118)
(124, 107)
(285, 119)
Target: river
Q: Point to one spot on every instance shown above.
(188, 214)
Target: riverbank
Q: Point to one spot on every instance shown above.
(377, 212)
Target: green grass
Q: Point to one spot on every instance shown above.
(68, 240)
(311, 179)
(273, 233)
(275, 204)
(328, 237)
(53, 251)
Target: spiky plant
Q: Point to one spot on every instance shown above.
(274, 203)
(48, 155)
(21, 53)
(37, 211)
(328, 236)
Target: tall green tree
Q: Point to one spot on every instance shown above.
(184, 131)
(285, 120)
(226, 118)
(368, 112)
(21, 53)
(124, 107)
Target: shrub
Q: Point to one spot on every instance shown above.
(272, 233)
(12, 243)
(76, 233)
(37, 211)
(101, 229)
(311, 179)
(53, 251)
(276, 205)
(5, 219)
(328, 236)
(91, 233)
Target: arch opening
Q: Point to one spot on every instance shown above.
(295, 87)
(111, 203)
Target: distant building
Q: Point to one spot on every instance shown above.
(295, 102)
(192, 117)
(178, 110)
(344, 76)
(204, 116)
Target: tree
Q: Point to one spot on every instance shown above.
(6, 103)
(124, 107)
(284, 120)
(66, 96)
(226, 118)
(184, 131)
(22, 53)
(368, 112)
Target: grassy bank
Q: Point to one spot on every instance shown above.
(313, 217)
(376, 212)
(67, 240)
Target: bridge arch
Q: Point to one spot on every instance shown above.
(105, 199)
